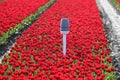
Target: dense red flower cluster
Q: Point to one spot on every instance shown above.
(13, 12)
(37, 55)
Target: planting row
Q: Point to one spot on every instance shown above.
(24, 23)
(13, 12)
(37, 55)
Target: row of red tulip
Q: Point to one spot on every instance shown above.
(13, 12)
(37, 55)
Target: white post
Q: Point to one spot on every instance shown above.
(64, 44)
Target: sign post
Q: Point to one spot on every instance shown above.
(64, 29)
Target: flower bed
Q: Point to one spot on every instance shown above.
(4, 39)
(13, 12)
(38, 53)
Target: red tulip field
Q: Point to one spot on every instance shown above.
(13, 11)
(37, 54)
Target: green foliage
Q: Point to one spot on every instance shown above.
(110, 76)
(32, 59)
(35, 72)
(1, 0)
(116, 4)
(9, 69)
